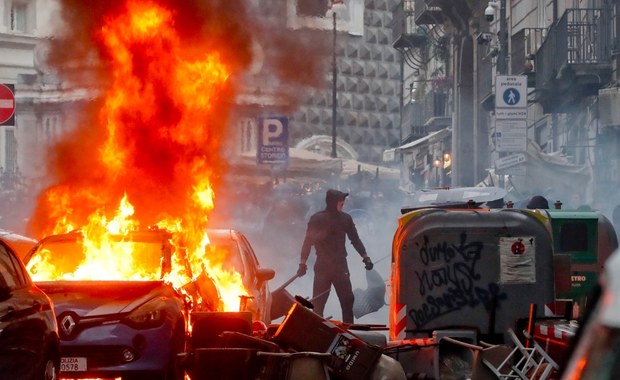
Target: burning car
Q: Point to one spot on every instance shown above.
(29, 344)
(108, 328)
(124, 295)
(242, 259)
(136, 324)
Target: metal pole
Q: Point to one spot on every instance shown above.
(502, 57)
(334, 90)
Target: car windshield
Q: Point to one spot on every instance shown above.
(225, 249)
(64, 259)
(145, 256)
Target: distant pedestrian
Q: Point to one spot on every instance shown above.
(538, 202)
(327, 231)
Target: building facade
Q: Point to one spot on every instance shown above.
(566, 51)
(367, 87)
(40, 105)
(24, 26)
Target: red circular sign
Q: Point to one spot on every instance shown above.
(518, 248)
(7, 103)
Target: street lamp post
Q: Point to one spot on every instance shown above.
(336, 7)
(440, 164)
(437, 164)
(334, 88)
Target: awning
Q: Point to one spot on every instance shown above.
(390, 154)
(548, 174)
(306, 164)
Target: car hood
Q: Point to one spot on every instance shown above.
(98, 298)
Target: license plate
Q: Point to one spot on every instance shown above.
(72, 364)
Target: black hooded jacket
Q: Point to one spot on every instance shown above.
(327, 230)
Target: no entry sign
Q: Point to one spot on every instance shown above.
(7, 104)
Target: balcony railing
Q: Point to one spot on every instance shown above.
(405, 33)
(419, 114)
(413, 121)
(425, 13)
(580, 37)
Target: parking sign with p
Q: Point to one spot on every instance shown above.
(272, 140)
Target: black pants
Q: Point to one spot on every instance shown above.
(337, 275)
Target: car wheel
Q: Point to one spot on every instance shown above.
(49, 370)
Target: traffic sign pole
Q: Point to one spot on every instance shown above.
(510, 124)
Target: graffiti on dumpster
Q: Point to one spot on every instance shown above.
(447, 283)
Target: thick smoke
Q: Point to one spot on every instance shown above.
(159, 163)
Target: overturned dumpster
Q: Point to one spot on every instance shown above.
(475, 268)
(469, 274)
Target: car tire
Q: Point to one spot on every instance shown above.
(50, 370)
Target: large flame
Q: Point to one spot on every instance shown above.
(152, 157)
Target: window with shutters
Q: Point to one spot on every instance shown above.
(18, 16)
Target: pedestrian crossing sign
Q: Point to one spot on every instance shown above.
(511, 91)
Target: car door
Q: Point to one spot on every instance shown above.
(259, 288)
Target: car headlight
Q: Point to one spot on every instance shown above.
(151, 314)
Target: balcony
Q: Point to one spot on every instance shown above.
(525, 43)
(405, 33)
(409, 38)
(457, 12)
(427, 14)
(413, 122)
(428, 113)
(574, 61)
(438, 115)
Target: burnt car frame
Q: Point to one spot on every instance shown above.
(118, 328)
(243, 259)
(135, 329)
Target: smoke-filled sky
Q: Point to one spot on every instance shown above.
(166, 74)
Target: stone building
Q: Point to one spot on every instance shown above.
(368, 84)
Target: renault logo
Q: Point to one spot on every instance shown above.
(67, 324)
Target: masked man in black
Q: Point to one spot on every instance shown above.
(326, 231)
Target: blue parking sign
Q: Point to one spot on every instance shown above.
(272, 145)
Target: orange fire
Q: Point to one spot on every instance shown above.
(153, 156)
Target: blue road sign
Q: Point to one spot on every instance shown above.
(272, 145)
(511, 91)
(511, 96)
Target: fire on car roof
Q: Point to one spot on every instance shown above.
(149, 155)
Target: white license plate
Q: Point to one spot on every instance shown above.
(72, 364)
